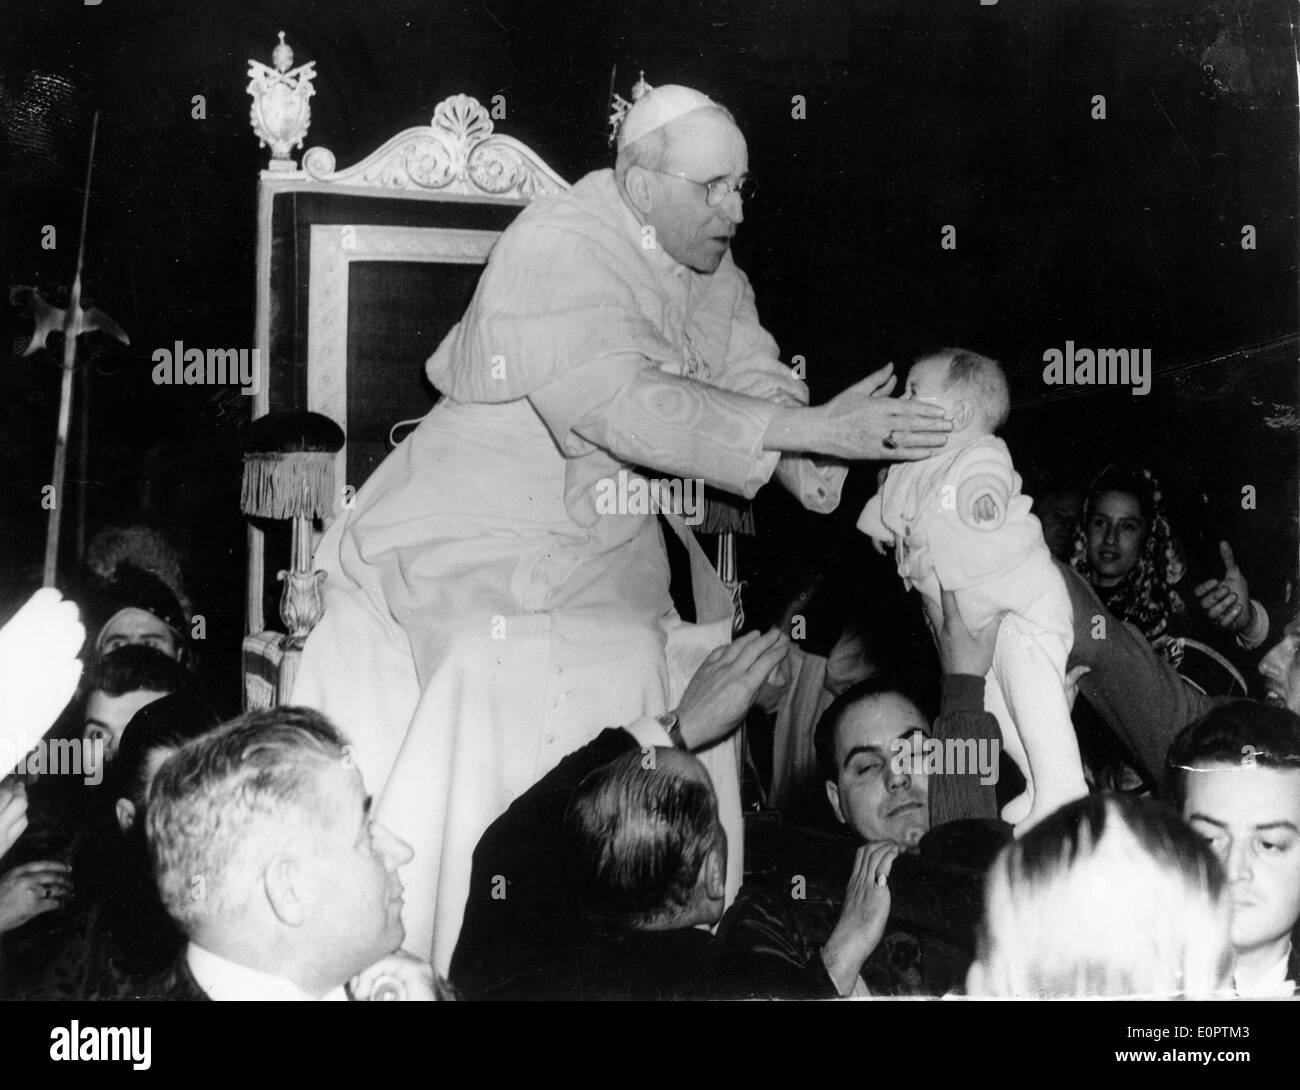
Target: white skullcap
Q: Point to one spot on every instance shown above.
(657, 107)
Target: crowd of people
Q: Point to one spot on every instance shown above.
(547, 702)
(240, 859)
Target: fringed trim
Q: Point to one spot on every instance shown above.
(283, 486)
(726, 514)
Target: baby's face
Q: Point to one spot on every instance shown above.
(961, 402)
(925, 382)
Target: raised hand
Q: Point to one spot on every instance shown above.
(862, 920)
(726, 684)
(962, 651)
(1227, 600)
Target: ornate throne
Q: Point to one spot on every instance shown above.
(360, 273)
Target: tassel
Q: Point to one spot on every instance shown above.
(282, 486)
(726, 514)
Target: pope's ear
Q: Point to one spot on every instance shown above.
(637, 184)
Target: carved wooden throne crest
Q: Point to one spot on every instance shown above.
(360, 273)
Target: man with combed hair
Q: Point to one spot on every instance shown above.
(1236, 775)
(484, 614)
(119, 684)
(269, 861)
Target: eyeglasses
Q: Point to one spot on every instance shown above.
(718, 189)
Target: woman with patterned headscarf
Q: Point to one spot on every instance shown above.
(1129, 553)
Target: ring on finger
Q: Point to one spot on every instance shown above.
(890, 443)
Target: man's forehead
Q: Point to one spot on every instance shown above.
(133, 621)
(341, 791)
(878, 721)
(1235, 795)
(706, 142)
(340, 777)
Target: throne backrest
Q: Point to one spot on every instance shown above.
(362, 271)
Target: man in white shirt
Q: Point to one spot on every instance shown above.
(1236, 773)
(267, 857)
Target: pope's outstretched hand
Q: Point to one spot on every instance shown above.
(862, 423)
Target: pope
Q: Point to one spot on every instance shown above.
(484, 617)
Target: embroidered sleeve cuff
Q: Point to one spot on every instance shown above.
(815, 483)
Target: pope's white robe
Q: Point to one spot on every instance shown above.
(483, 619)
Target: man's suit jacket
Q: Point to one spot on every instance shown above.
(520, 908)
(174, 984)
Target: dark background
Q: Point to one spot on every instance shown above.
(1123, 232)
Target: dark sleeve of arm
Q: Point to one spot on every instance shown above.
(962, 716)
(517, 874)
(1138, 694)
(761, 953)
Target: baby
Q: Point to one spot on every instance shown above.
(958, 522)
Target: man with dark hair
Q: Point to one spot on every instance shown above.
(855, 741)
(867, 744)
(119, 933)
(1235, 775)
(122, 682)
(62, 798)
(266, 857)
